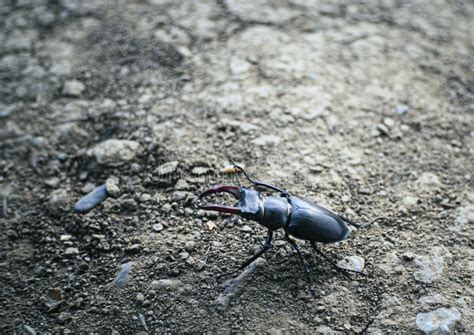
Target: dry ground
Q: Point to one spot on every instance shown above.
(363, 106)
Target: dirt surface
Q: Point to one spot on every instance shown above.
(365, 107)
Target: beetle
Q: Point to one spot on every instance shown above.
(297, 217)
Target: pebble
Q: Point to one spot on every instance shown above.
(184, 255)
(166, 208)
(266, 140)
(430, 267)
(112, 188)
(190, 246)
(389, 122)
(157, 227)
(73, 88)
(114, 152)
(165, 283)
(239, 66)
(246, 228)
(166, 168)
(58, 202)
(201, 170)
(428, 182)
(439, 321)
(464, 220)
(30, 330)
(410, 202)
(181, 195)
(401, 109)
(64, 316)
(181, 185)
(430, 300)
(71, 251)
(91, 200)
(123, 276)
(352, 263)
(140, 297)
(383, 130)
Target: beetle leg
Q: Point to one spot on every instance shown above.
(305, 266)
(266, 247)
(334, 265)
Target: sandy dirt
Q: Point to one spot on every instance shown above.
(365, 107)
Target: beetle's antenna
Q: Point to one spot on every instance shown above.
(257, 182)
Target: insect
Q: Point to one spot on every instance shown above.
(297, 217)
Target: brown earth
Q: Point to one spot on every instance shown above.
(363, 106)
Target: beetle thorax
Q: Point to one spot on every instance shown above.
(275, 214)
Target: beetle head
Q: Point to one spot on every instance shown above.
(248, 205)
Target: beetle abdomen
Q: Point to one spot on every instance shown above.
(313, 223)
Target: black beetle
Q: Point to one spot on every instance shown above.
(299, 218)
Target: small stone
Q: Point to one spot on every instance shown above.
(64, 316)
(201, 170)
(111, 187)
(401, 109)
(190, 246)
(181, 195)
(73, 88)
(389, 122)
(428, 182)
(58, 202)
(166, 168)
(266, 140)
(430, 300)
(145, 197)
(352, 263)
(410, 202)
(383, 130)
(134, 248)
(184, 256)
(166, 208)
(464, 221)
(439, 321)
(91, 200)
(157, 227)
(30, 330)
(210, 225)
(181, 185)
(239, 66)
(345, 198)
(123, 276)
(52, 182)
(65, 237)
(246, 228)
(114, 152)
(140, 297)
(165, 283)
(71, 251)
(430, 267)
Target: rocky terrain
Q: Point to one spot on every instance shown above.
(132, 107)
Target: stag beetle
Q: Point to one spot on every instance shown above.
(298, 218)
